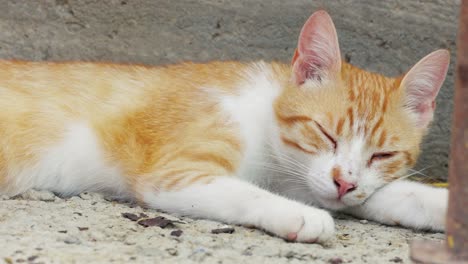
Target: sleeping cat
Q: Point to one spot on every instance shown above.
(260, 144)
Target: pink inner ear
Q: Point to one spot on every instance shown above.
(318, 52)
(307, 70)
(422, 84)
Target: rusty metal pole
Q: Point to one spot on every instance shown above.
(455, 249)
(457, 217)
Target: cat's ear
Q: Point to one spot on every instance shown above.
(422, 84)
(318, 54)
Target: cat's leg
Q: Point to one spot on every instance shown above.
(231, 200)
(406, 203)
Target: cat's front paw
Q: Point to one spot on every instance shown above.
(317, 226)
(435, 212)
(303, 224)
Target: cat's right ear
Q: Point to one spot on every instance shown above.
(317, 56)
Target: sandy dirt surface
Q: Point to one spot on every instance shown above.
(39, 227)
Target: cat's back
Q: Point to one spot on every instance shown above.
(79, 82)
(19, 75)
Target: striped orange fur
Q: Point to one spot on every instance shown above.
(142, 132)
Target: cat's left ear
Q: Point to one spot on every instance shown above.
(422, 84)
(318, 54)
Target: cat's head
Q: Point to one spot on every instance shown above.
(353, 131)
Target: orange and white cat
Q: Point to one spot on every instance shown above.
(262, 144)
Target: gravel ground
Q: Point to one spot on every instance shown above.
(39, 227)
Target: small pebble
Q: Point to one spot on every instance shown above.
(160, 221)
(176, 233)
(396, 260)
(223, 230)
(72, 240)
(364, 221)
(132, 217)
(143, 215)
(335, 261)
(130, 240)
(344, 237)
(172, 251)
(32, 258)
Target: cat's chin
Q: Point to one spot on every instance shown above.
(333, 204)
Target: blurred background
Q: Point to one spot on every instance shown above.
(384, 36)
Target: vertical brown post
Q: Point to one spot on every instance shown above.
(456, 246)
(457, 217)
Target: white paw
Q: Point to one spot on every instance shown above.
(437, 213)
(301, 223)
(318, 226)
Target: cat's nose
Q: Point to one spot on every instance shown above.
(344, 187)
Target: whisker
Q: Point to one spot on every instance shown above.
(292, 173)
(279, 167)
(286, 158)
(289, 161)
(297, 188)
(419, 172)
(413, 173)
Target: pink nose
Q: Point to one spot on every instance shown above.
(343, 187)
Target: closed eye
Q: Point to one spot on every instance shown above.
(327, 135)
(379, 156)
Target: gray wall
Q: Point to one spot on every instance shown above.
(385, 36)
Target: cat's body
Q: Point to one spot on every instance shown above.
(209, 140)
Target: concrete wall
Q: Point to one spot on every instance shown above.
(385, 36)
